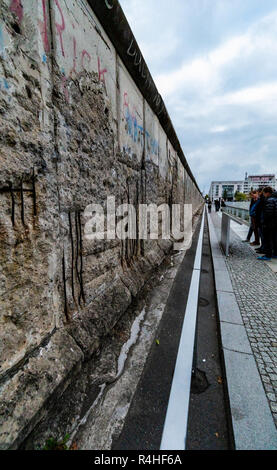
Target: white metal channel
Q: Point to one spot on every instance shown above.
(175, 427)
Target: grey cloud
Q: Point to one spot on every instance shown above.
(211, 79)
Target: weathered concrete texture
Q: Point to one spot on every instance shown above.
(23, 396)
(75, 129)
(79, 402)
(93, 408)
(29, 212)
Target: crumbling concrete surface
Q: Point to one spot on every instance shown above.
(74, 131)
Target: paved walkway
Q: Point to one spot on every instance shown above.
(255, 287)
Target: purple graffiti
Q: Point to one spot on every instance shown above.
(60, 27)
(43, 28)
(84, 54)
(101, 72)
(17, 8)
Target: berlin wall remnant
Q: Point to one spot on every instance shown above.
(76, 127)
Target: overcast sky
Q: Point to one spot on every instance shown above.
(215, 64)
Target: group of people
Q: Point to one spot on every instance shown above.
(217, 203)
(263, 214)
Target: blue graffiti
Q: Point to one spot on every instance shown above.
(4, 84)
(132, 125)
(152, 144)
(137, 132)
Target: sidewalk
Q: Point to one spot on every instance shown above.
(247, 302)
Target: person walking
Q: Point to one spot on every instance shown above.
(259, 220)
(251, 229)
(254, 225)
(269, 226)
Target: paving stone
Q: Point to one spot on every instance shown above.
(255, 290)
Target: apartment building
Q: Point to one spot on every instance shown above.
(228, 189)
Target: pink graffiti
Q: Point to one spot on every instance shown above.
(17, 8)
(60, 27)
(101, 72)
(126, 99)
(85, 53)
(43, 28)
(133, 129)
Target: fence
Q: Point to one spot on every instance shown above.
(238, 210)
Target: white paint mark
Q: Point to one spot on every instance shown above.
(132, 340)
(121, 362)
(175, 427)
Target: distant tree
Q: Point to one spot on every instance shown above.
(240, 196)
(225, 194)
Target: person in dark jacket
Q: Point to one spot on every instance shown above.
(259, 220)
(255, 197)
(269, 224)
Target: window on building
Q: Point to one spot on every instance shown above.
(228, 191)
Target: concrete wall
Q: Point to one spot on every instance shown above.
(75, 129)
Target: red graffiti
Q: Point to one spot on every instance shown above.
(60, 27)
(17, 8)
(84, 54)
(126, 99)
(43, 28)
(101, 72)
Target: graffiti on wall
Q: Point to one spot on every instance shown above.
(139, 62)
(20, 190)
(130, 115)
(109, 4)
(43, 28)
(80, 57)
(83, 57)
(152, 146)
(17, 8)
(72, 262)
(132, 128)
(138, 133)
(4, 84)
(60, 27)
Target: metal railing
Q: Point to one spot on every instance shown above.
(238, 210)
